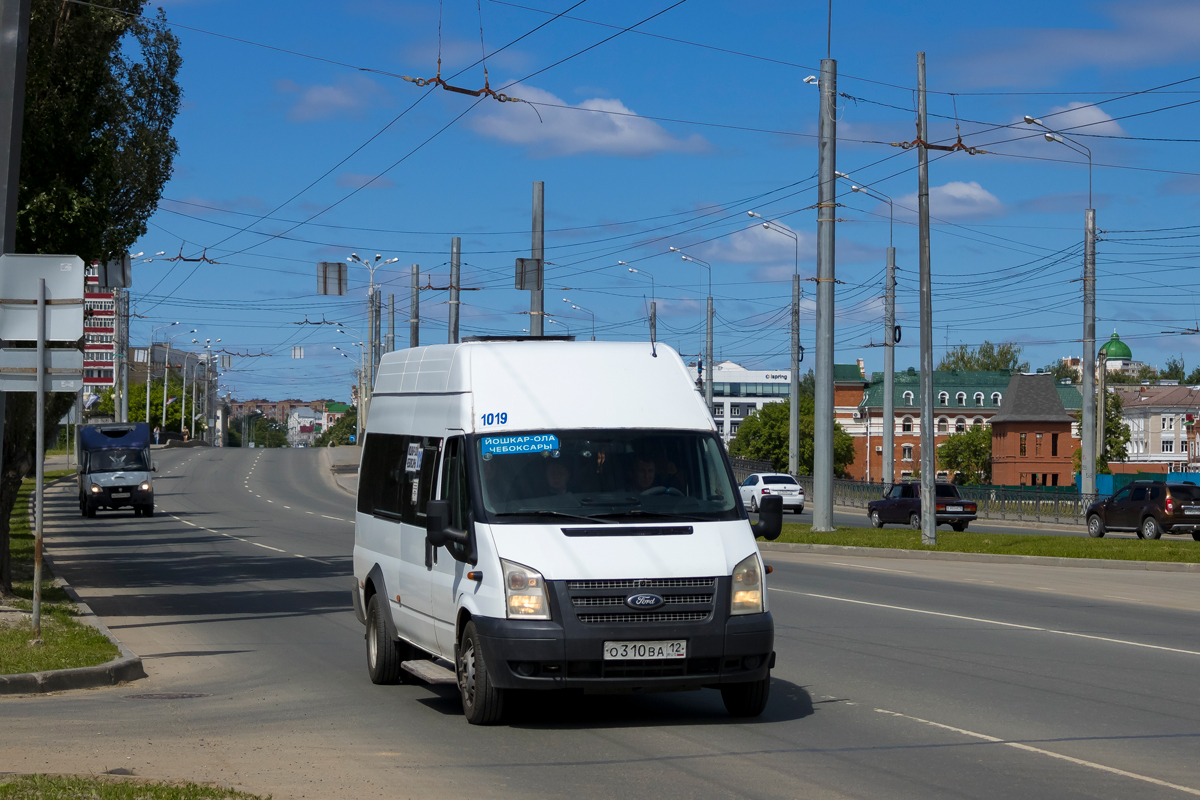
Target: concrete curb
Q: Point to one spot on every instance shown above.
(128, 667)
(999, 523)
(993, 558)
(335, 471)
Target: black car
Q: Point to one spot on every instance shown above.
(1149, 508)
(902, 504)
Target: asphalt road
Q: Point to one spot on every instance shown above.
(894, 679)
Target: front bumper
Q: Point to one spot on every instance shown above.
(567, 653)
(136, 496)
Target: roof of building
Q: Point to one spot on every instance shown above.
(1114, 348)
(952, 382)
(1032, 398)
(1184, 398)
(848, 373)
(336, 408)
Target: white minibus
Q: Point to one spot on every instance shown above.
(546, 514)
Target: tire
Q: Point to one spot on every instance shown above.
(799, 509)
(1196, 535)
(137, 511)
(959, 526)
(483, 703)
(1150, 529)
(876, 520)
(90, 511)
(746, 699)
(148, 511)
(82, 506)
(383, 657)
(914, 521)
(753, 505)
(1096, 528)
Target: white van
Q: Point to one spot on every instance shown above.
(552, 514)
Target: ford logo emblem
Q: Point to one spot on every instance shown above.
(643, 601)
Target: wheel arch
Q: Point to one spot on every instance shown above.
(374, 584)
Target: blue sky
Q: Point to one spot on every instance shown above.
(668, 137)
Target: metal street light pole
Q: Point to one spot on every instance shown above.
(708, 336)
(794, 404)
(371, 266)
(653, 303)
(149, 364)
(167, 378)
(581, 308)
(826, 201)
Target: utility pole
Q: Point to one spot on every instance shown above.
(928, 453)
(391, 336)
(537, 312)
(369, 360)
(794, 412)
(414, 318)
(889, 373)
(14, 49)
(378, 302)
(708, 355)
(653, 322)
(1090, 434)
(166, 386)
(1101, 400)
(455, 280)
(826, 201)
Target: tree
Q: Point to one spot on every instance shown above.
(1174, 371)
(1193, 378)
(339, 433)
(101, 96)
(969, 454)
(988, 357)
(1116, 437)
(1062, 371)
(763, 436)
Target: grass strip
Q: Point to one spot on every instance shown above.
(66, 642)
(1019, 544)
(71, 787)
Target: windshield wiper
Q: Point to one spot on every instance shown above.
(637, 512)
(542, 512)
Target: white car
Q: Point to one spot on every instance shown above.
(763, 483)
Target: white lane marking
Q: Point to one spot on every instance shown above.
(270, 501)
(993, 622)
(339, 519)
(268, 547)
(863, 566)
(287, 506)
(308, 512)
(1029, 748)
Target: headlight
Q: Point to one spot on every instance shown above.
(146, 486)
(747, 595)
(95, 490)
(525, 592)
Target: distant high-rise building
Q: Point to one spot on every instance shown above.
(99, 333)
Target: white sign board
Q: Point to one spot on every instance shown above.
(18, 297)
(18, 370)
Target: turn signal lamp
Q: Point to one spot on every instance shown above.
(747, 593)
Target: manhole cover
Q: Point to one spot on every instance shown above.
(164, 696)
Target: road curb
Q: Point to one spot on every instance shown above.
(1061, 527)
(128, 667)
(993, 558)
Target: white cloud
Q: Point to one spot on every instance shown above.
(955, 201)
(759, 246)
(349, 97)
(565, 131)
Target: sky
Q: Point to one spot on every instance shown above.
(300, 142)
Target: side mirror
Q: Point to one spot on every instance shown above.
(770, 518)
(437, 519)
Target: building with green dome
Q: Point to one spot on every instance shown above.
(1119, 356)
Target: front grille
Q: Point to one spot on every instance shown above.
(678, 599)
(649, 616)
(643, 583)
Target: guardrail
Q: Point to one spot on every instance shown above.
(992, 503)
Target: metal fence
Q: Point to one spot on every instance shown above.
(745, 467)
(993, 502)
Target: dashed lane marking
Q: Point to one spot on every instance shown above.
(268, 547)
(339, 519)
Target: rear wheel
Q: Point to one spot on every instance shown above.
(1196, 535)
(746, 699)
(876, 520)
(753, 505)
(914, 521)
(1150, 529)
(483, 703)
(1096, 528)
(383, 656)
(959, 526)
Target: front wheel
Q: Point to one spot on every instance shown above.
(90, 511)
(914, 521)
(1096, 528)
(876, 520)
(746, 699)
(383, 657)
(753, 505)
(148, 511)
(483, 703)
(1150, 529)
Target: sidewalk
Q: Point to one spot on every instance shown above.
(343, 466)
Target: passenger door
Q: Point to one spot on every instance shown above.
(1124, 507)
(447, 572)
(747, 489)
(887, 506)
(908, 504)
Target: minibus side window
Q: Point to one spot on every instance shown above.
(417, 485)
(454, 482)
(381, 473)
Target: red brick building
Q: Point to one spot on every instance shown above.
(1032, 443)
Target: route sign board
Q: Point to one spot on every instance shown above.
(18, 370)
(18, 297)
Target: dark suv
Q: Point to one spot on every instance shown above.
(902, 504)
(1150, 508)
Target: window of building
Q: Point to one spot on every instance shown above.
(943, 425)
(908, 398)
(1054, 479)
(979, 398)
(1168, 423)
(907, 452)
(1168, 446)
(995, 398)
(718, 410)
(977, 423)
(961, 397)
(735, 411)
(1054, 449)
(906, 425)
(1023, 435)
(733, 426)
(905, 474)
(944, 399)
(1037, 444)
(960, 425)
(943, 476)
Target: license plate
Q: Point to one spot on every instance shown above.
(634, 651)
(119, 495)
(1191, 511)
(954, 508)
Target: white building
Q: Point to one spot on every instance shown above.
(302, 424)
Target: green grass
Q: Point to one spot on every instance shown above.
(1002, 543)
(69, 787)
(66, 643)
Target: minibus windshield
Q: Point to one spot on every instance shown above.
(606, 476)
(117, 461)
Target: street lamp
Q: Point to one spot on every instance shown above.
(150, 362)
(581, 308)
(1092, 425)
(708, 338)
(889, 346)
(167, 376)
(553, 321)
(373, 324)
